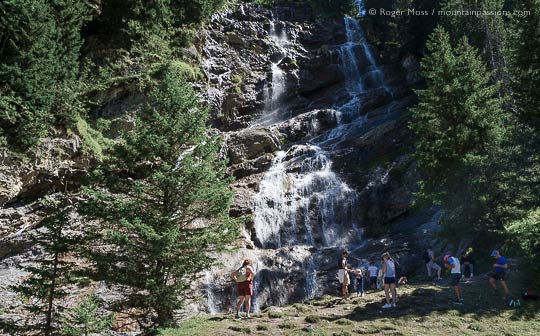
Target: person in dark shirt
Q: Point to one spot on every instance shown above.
(499, 271)
(359, 282)
(467, 264)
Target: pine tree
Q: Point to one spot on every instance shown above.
(526, 63)
(84, 319)
(52, 270)
(458, 123)
(486, 32)
(39, 51)
(163, 201)
(524, 166)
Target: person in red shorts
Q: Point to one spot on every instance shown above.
(244, 280)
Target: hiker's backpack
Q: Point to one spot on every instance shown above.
(426, 257)
(241, 274)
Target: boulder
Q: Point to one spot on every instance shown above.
(250, 143)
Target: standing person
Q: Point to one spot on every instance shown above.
(467, 262)
(343, 275)
(429, 257)
(454, 266)
(373, 271)
(244, 280)
(359, 283)
(389, 271)
(499, 271)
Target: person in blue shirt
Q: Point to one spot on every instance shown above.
(499, 271)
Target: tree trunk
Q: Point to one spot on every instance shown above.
(48, 321)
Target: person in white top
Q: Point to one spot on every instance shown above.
(454, 266)
(343, 275)
(372, 272)
(389, 271)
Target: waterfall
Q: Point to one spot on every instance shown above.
(301, 200)
(292, 207)
(302, 208)
(360, 7)
(274, 91)
(354, 81)
(209, 281)
(311, 287)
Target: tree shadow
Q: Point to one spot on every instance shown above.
(421, 302)
(18, 327)
(528, 311)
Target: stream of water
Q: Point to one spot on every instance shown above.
(301, 201)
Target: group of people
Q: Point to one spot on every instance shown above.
(384, 277)
(387, 273)
(466, 261)
(458, 267)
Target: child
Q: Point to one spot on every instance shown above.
(373, 271)
(359, 284)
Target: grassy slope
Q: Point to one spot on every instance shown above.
(423, 309)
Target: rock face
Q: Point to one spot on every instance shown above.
(315, 133)
(54, 163)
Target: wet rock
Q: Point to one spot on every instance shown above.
(308, 124)
(412, 67)
(250, 143)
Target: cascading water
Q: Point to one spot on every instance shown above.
(355, 55)
(301, 201)
(302, 207)
(311, 206)
(209, 287)
(355, 51)
(274, 91)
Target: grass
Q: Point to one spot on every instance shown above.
(93, 141)
(301, 308)
(243, 329)
(313, 318)
(287, 325)
(261, 327)
(344, 321)
(423, 309)
(275, 314)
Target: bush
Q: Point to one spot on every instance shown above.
(313, 318)
(526, 233)
(275, 314)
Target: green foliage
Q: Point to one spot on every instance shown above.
(39, 50)
(472, 26)
(93, 141)
(526, 232)
(526, 62)
(84, 319)
(459, 128)
(488, 33)
(53, 271)
(163, 200)
(396, 35)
